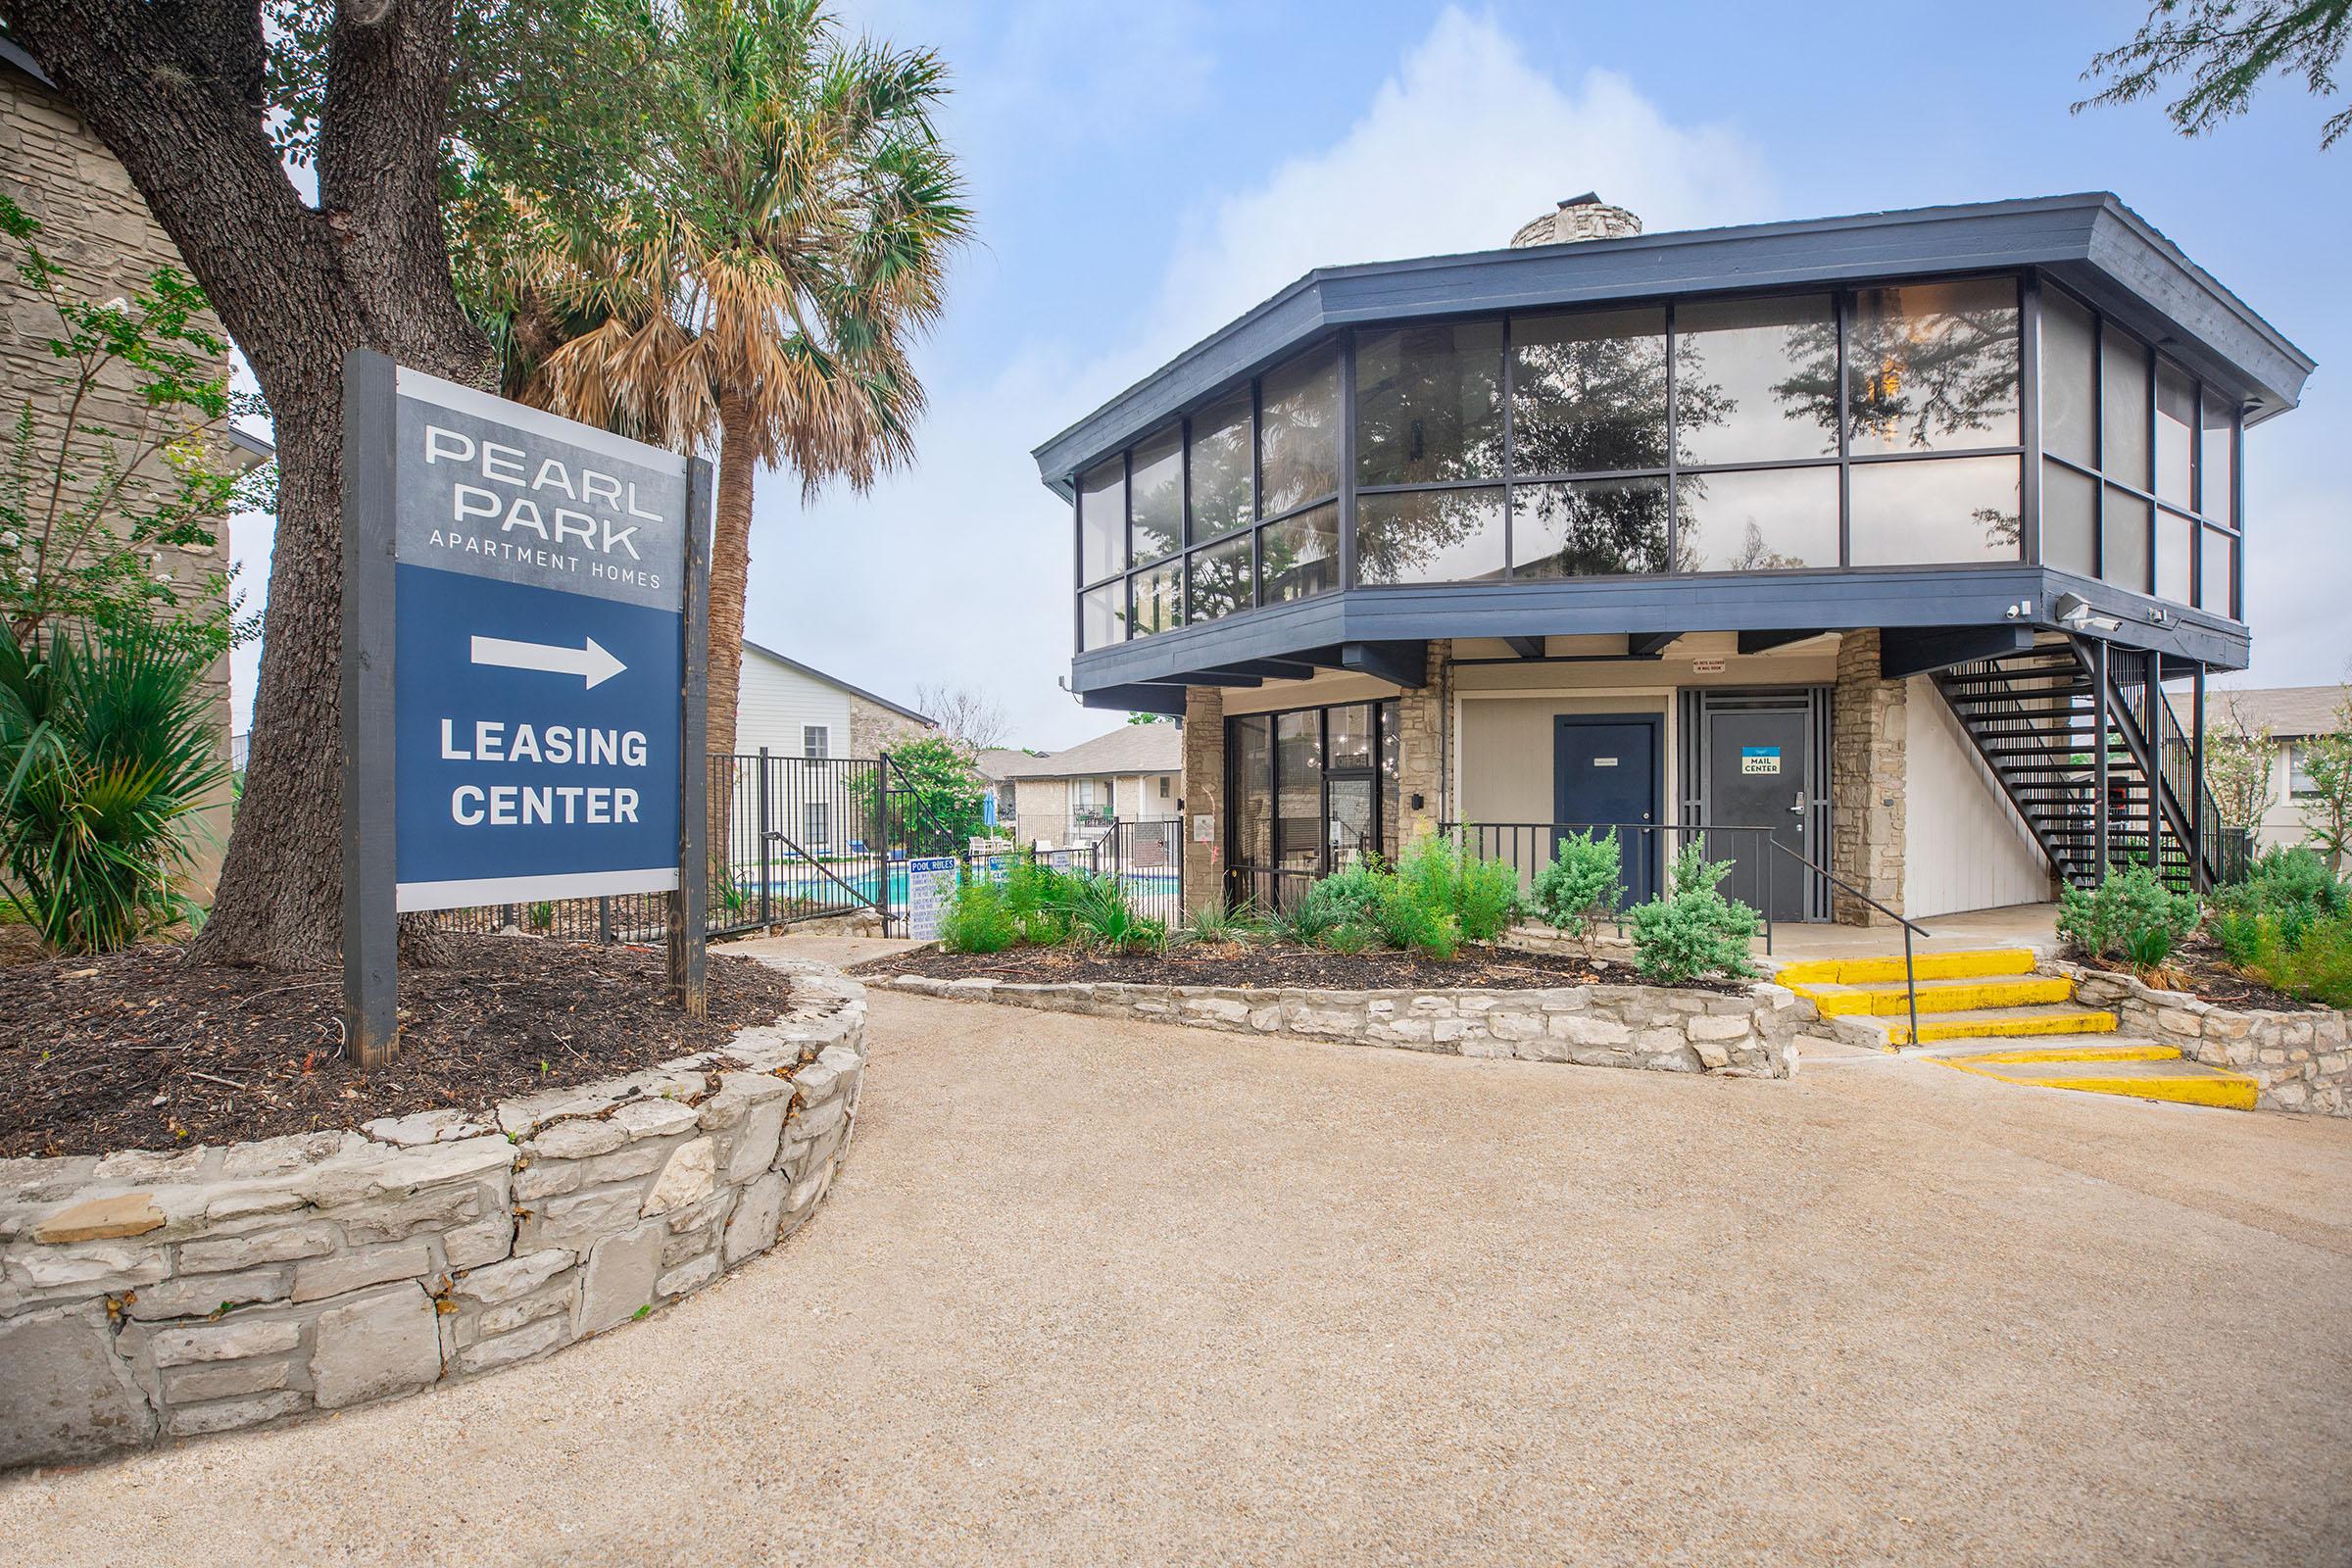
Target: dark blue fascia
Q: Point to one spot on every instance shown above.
(1832, 600)
(2091, 243)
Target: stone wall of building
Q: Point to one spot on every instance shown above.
(1868, 724)
(1421, 750)
(95, 224)
(2298, 1060)
(1203, 787)
(154, 1296)
(1749, 1035)
(875, 729)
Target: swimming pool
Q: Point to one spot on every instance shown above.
(813, 886)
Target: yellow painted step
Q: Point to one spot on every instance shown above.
(2185, 1083)
(1976, 964)
(2087, 1048)
(1941, 995)
(1999, 1025)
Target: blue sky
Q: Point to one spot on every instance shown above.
(1142, 173)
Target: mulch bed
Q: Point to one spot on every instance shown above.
(1277, 965)
(140, 1050)
(2199, 969)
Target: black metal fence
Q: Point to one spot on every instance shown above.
(1147, 856)
(1756, 878)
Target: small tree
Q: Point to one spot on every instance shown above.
(90, 516)
(1583, 885)
(2239, 763)
(2328, 803)
(939, 790)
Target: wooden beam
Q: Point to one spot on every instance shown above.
(1400, 663)
(1759, 642)
(1645, 644)
(1145, 699)
(1917, 650)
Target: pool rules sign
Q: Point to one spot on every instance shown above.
(524, 670)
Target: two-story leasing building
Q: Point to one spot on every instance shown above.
(1856, 535)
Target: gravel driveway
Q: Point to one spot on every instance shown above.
(1087, 1294)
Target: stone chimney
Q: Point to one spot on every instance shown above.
(1578, 217)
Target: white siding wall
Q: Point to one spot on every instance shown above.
(1967, 848)
(776, 701)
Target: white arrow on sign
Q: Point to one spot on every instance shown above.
(592, 664)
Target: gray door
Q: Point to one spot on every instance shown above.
(1759, 760)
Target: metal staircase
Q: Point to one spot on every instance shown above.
(2081, 737)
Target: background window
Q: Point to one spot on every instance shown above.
(1429, 535)
(1300, 556)
(1102, 521)
(1299, 443)
(2298, 771)
(816, 741)
(2175, 555)
(1429, 404)
(1757, 380)
(1589, 392)
(2216, 572)
(1221, 580)
(1588, 528)
(1156, 495)
(1220, 466)
(816, 824)
(1947, 510)
(1932, 367)
(1762, 521)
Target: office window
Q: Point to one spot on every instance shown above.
(1406, 536)
(1589, 392)
(1220, 466)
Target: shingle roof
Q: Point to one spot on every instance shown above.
(1129, 749)
(2289, 713)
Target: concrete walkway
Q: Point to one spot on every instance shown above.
(1144, 1295)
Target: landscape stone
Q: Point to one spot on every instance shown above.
(619, 1277)
(229, 1339)
(64, 1394)
(387, 1341)
(98, 1218)
(351, 1271)
(688, 1178)
(199, 1295)
(188, 1421)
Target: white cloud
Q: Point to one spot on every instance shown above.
(960, 570)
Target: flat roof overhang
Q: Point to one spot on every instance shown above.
(1368, 629)
(2091, 242)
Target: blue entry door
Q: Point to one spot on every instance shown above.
(1604, 770)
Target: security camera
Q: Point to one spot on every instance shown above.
(2075, 614)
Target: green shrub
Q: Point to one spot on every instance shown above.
(105, 753)
(1583, 885)
(2317, 966)
(1481, 896)
(1353, 891)
(2131, 915)
(1309, 918)
(1101, 916)
(1037, 898)
(1349, 937)
(1405, 918)
(976, 919)
(2292, 885)
(1693, 930)
(1215, 925)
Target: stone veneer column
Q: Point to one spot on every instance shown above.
(1421, 751)
(1867, 766)
(1203, 787)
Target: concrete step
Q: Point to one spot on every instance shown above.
(1976, 965)
(2168, 1079)
(1889, 998)
(2061, 1048)
(1989, 1023)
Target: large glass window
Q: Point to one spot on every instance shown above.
(1300, 556)
(1298, 441)
(1102, 615)
(1221, 580)
(1311, 790)
(1589, 392)
(2176, 435)
(1598, 527)
(1158, 599)
(2216, 573)
(2069, 381)
(2070, 520)
(2176, 557)
(1156, 495)
(1923, 513)
(2218, 499)
(1220, 466)
(1102, 521)
(1755, 381)
(1250, 741)
(2124, 559)
(1933, 367)
(2123, 407)
(1298, 790)
(1429, 535)
(1429, 404)
(1764, 520)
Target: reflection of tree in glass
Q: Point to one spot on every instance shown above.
(1402, 537)
(1591, 530)
(1920, 376)
(1220, 468)
(1429, 404)
(1752, 554)
(1298, 445)
(1298, 558)
(2000, 528)
(1220, 582)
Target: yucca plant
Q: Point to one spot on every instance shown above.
(105, 757)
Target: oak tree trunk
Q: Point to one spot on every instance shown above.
(176, 93)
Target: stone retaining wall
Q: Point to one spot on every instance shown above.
(2299, 1060)
(146, 1295)
(1747, 1036)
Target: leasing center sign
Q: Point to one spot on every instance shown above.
(539, 586)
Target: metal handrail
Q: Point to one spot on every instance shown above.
(1910, 974)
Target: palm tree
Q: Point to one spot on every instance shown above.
(763, 278)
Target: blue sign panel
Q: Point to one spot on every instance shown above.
(539, 636)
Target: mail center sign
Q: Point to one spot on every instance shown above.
(539, 585)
